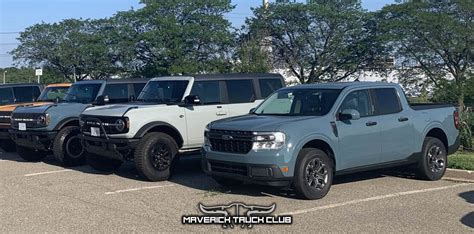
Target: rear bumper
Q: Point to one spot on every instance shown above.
(115, 148)
(254, 173)
(454, 147)
(34, 140)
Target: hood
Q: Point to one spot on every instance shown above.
(9, 108)
(116, 110)
(257, 122)
(64, 109)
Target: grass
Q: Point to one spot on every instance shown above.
(461, 160)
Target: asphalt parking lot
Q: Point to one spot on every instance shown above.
(40, 197)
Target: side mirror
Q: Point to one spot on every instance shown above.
(252, 110)
(349, 114)
(102, 100)
(131, 98)
(57, 100)
(192, 100)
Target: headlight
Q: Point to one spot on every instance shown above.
(44, 119)
(206, 136)
(270, 140)
(119, 125)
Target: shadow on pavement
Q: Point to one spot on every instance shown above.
(468, 219)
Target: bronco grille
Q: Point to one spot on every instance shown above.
(5, 117)
(103, 123)
(30, 119)
(239, 142)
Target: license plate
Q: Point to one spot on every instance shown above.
(22, 126)
(95, 131)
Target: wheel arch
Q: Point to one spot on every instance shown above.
(161, 127)
(73, 121)
(323, 145)
(440, 134)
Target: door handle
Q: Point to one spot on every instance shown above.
(402, 119)
(371, 123)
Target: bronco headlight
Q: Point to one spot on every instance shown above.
(120, 125)
(44, 119)
(268, 140)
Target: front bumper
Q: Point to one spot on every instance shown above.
(265, 174)
(115, 148)
(4, 134)
(33, 139)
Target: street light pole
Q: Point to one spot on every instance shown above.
(4, 72)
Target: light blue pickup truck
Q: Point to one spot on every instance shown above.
(304, 135)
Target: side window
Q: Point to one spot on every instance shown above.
(387, 101)
(6, 96)
(240, 91)
(117, 92)
(26, 94)
(268, 86)
(208, 91)
(360, 101)
(137, 88)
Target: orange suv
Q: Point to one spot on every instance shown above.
(14, 95)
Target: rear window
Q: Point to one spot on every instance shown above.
(268, 86)
(387, 101)
(6, 96)
(240, 91)
(117, 92)
(26, 94)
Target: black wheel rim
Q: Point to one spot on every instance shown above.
(316, 174)
(160, 156)
(435, 157)
(74, 147)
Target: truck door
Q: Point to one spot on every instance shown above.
(396, 129)
(210, 109)
(359, 143)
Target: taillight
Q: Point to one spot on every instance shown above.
(456, 119)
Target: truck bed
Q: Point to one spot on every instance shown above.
(427, 106)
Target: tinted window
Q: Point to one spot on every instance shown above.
(240, 91)
(6, 96)
(208, 91)
(137, 88)
(116, 92)
(82, 93)
(387, 101)
(51, 93)
(268, 86)
(360, 101)
(26, 94)
(163, 91)
(299, 102)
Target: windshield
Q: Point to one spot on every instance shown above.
(82, 93)
(6, 96)
(163, 91)
(51, 93)
(299, 102)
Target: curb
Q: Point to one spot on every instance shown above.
(459, 175)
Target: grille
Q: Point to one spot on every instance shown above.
(30, 119)
(239, 142)
(228, 168)
(5, 116)
(108, 124)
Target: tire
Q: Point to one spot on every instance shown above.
(308, 183)
(30, 155)
(7, 146)
(227, 182)
(67, 147)
(433, 162)
(154, 156)
(101, 163)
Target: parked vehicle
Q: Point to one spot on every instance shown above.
(304, 135)
(54, 128)
(25, 95)
(169, 118)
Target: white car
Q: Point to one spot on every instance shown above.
(169, 117)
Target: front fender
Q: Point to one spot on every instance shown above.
(308, 138)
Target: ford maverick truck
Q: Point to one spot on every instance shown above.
(168, 118)
(304, 135)
(25, 95)
(54, 128)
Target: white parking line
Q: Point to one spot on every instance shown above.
(372, 199)
(137, 189)
(47, 172)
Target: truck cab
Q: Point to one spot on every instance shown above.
(54, 128)
(168, 118)
(304, 135)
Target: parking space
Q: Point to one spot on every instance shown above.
(46, 197)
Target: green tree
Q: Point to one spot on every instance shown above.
(27, 75)
(250, 55)
(321, 41)
(434, 38)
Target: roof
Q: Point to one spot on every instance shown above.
(18, 85)
(59, 85)
(341, 85)
(114, 81)
(222, 76)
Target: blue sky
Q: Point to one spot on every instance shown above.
(16, 15)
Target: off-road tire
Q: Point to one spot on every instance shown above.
(300, 182)
(69, 137)
(425, 171)
(30, 155)
(102, 164)
(161, 168)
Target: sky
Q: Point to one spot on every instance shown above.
(16, 15)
